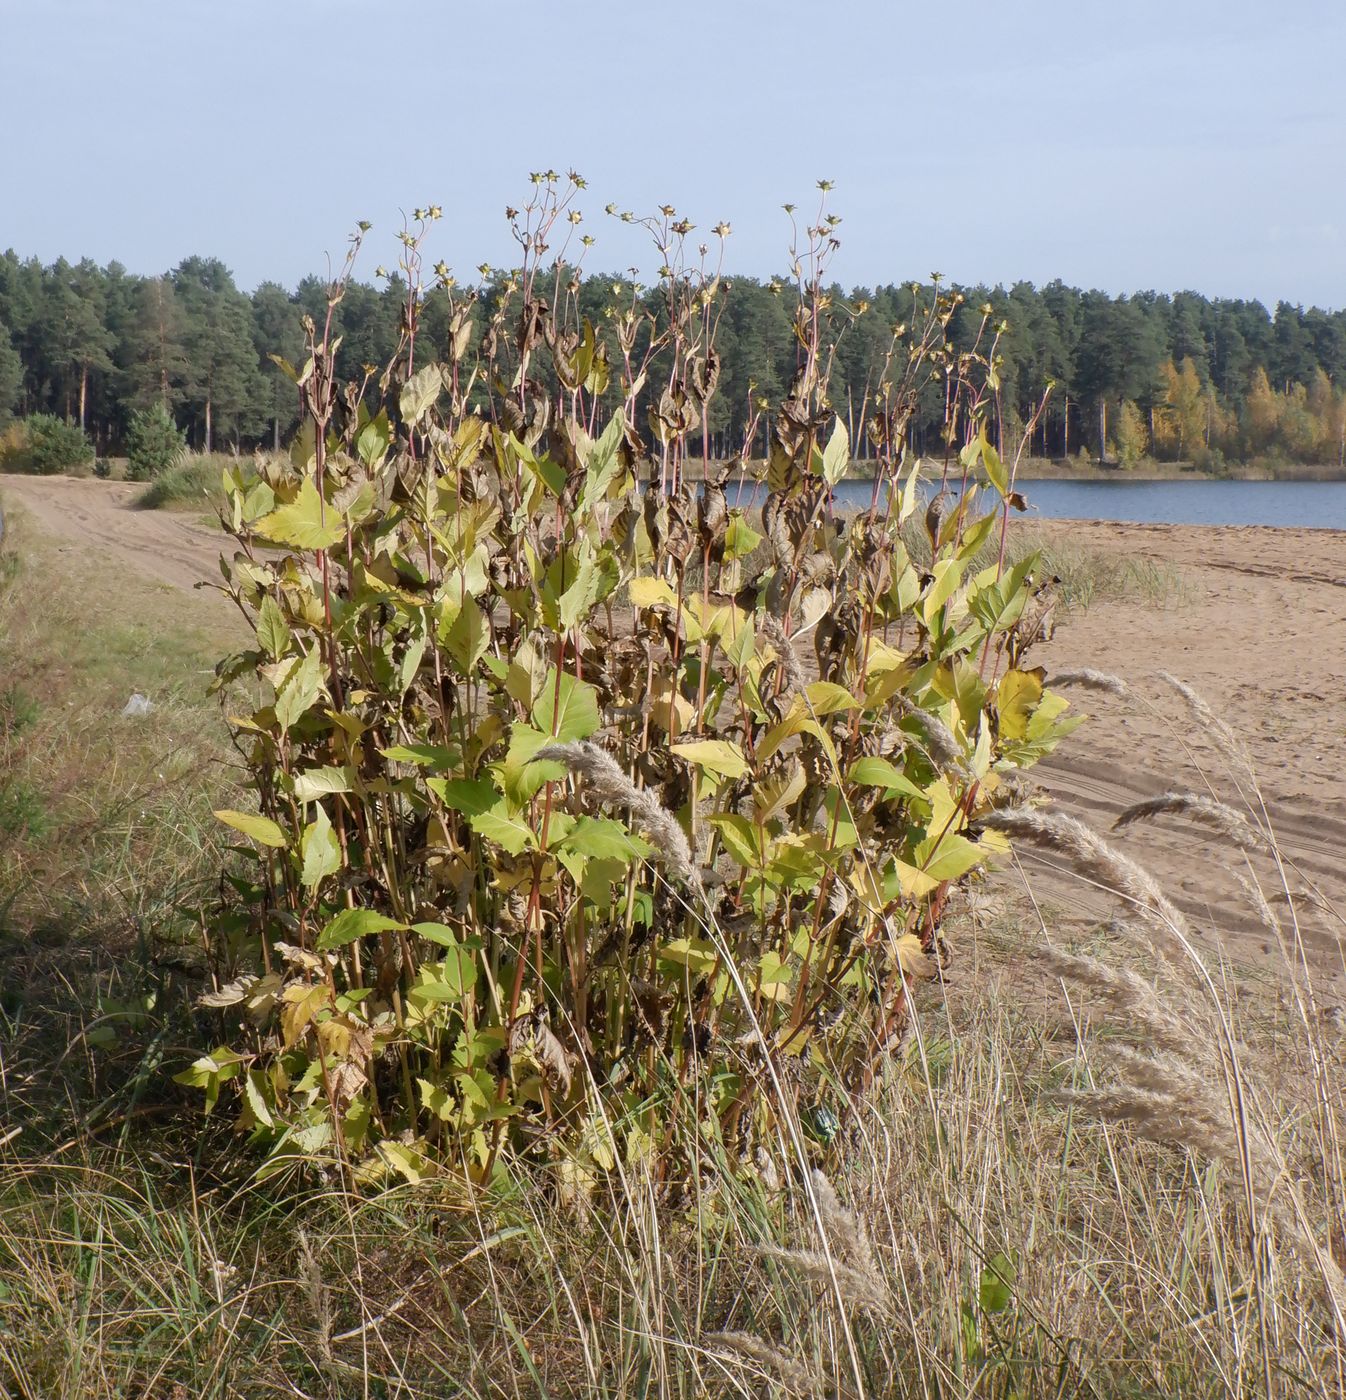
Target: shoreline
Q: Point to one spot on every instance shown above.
(1038, 470)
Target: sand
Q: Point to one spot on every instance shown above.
(1257, 626)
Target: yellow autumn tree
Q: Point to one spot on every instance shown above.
(1132, 439)
(1263, 412)
(1181, 422)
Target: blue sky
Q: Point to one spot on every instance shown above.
(1122, 144)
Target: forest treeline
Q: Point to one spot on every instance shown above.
(1180, 377)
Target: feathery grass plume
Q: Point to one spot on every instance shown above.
(1205, 810)
(1088, 679)
(1164, 1100)
(319, 1297)
(1091, 856)
(1128, 994)
(851, 1261)
(939, 738)
(847, 1230)
(770, 627)
(856, 1287)
(605, 776)
(1226, 740)
(1261, 907)
(791, 1372)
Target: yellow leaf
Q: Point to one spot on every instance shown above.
(916, 884)
(1017, 697)
(669, 710)
(261, 829)
(774, 794)
(912, 959)
(826, 698)
(647, 592)
(715, 756)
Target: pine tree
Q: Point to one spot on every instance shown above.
(11, 376)
(153, 355)
(224, 386)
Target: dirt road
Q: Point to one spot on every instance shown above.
(1258, 626)
(94, 518)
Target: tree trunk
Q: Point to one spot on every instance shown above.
(83, 393)
(208, 437)
(275, 434)
(1065, 430)
(1102, 430)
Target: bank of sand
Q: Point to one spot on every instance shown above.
(1257, 624)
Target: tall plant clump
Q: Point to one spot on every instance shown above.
(596, 822)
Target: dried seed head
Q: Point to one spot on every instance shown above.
(1225, 739)
(1205, 810)
(1089, 679)
(1091, 856)
(791, 1372)
(1125, 993)
(771, 628)
(611, 785)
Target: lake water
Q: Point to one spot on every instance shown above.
(1317, 504)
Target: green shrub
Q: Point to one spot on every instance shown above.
(193, 481)
(54, 446)
(153, 444)
(564, 844)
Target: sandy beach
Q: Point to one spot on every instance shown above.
(1257, 626)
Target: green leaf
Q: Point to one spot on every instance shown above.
(741, 838)
(947, 574)
(581, 595)
(879, 772)
(604, 463)
(374, 440)
(448, 980)
(260, 829)
(320, 851)
(308, 522)
(351, 924)
(438, 933)
(523, 776)
(314, 783)
(601, 838)
(997, 1284)
(998, 605)
(505, 830)
(740, 539)
(423, 755)
(567, 709)
(468, 635)
(471, 796)
(995, 469)
(273, 635)
(299, 690)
